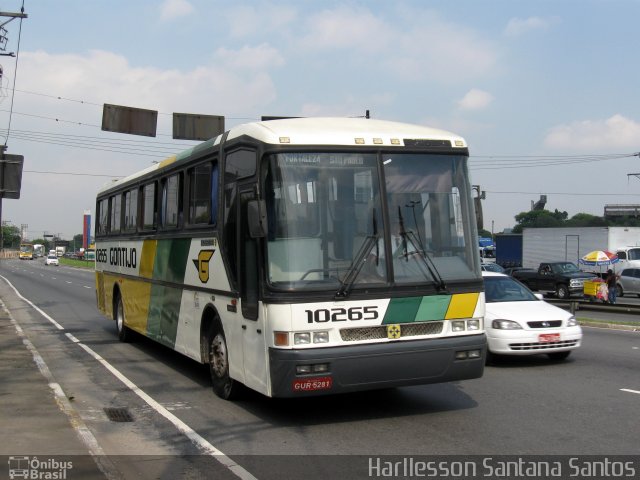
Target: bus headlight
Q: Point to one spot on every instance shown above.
(302, 338)
(457, 326)
(320, 337)
(473, 324)
(306, 338)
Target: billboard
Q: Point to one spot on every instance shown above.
(86, 230)
(10, 175)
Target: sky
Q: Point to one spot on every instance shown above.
(545, 92)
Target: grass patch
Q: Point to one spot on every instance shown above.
(71, 262)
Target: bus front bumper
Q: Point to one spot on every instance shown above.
(373, 366)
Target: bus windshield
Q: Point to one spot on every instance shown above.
(327, 226)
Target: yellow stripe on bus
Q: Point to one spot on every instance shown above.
(167, 161)
(462, 305)
(136, 304)
(148, 257)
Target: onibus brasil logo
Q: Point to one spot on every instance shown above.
(34, 468)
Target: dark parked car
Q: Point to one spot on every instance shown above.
(560, 278)
(511, 270)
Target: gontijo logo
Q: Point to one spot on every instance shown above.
(202, 264)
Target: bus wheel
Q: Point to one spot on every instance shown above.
(124, 334)
(223, 385)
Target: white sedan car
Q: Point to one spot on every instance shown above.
(518, 322)
(51, 260)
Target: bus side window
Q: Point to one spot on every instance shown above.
(103, 216)
(149, 206)
(171, 215)
(116, 211)
(199, 194)
(130, 210)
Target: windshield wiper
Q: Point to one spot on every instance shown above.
(359, 261)
(422, 253)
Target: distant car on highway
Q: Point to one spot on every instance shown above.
(518, 322)
(51, 260)
(492, 267)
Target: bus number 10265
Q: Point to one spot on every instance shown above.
(323, 315)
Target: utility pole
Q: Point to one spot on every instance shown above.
(3, 148)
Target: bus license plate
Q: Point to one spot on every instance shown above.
(312, 384)
(548, 337)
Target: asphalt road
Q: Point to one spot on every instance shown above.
(586, 405)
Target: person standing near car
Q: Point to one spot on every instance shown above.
(612, 280)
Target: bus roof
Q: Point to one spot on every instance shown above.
(315, 131)
(338, 131)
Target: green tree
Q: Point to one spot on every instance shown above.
(539, 219)
(10, 236)
(44, 242)
(586, 220)
(76, 243)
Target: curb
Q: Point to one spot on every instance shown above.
(612, 326)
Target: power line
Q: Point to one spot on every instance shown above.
(94, 143)
(86, 102)
(524, 161)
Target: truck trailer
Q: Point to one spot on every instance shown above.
(570, 244)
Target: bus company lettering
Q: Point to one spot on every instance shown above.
(118, 256)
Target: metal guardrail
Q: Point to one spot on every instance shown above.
(578, 304)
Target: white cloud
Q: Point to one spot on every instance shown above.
(345, 28)
(614, 132)
(424, 47)
(101, 76)
(171, 9)
(247, 21)
(520, 26)
(262, 56)
(475, 99)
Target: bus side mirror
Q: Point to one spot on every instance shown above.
(257, 218)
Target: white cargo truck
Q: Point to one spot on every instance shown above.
(562, 244)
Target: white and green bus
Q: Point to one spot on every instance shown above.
(301, 257)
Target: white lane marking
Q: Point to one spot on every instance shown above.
(38, 309)
(191, 434)
(86, 286)
(69, 282)
(630, 391)
(81, 429)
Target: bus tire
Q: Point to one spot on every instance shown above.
(223, 385)
(124, 334)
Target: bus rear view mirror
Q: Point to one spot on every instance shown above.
(257, 218)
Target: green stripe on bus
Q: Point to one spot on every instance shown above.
(170, 264)
(416, 309)
(164, 313)
(171, 260)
